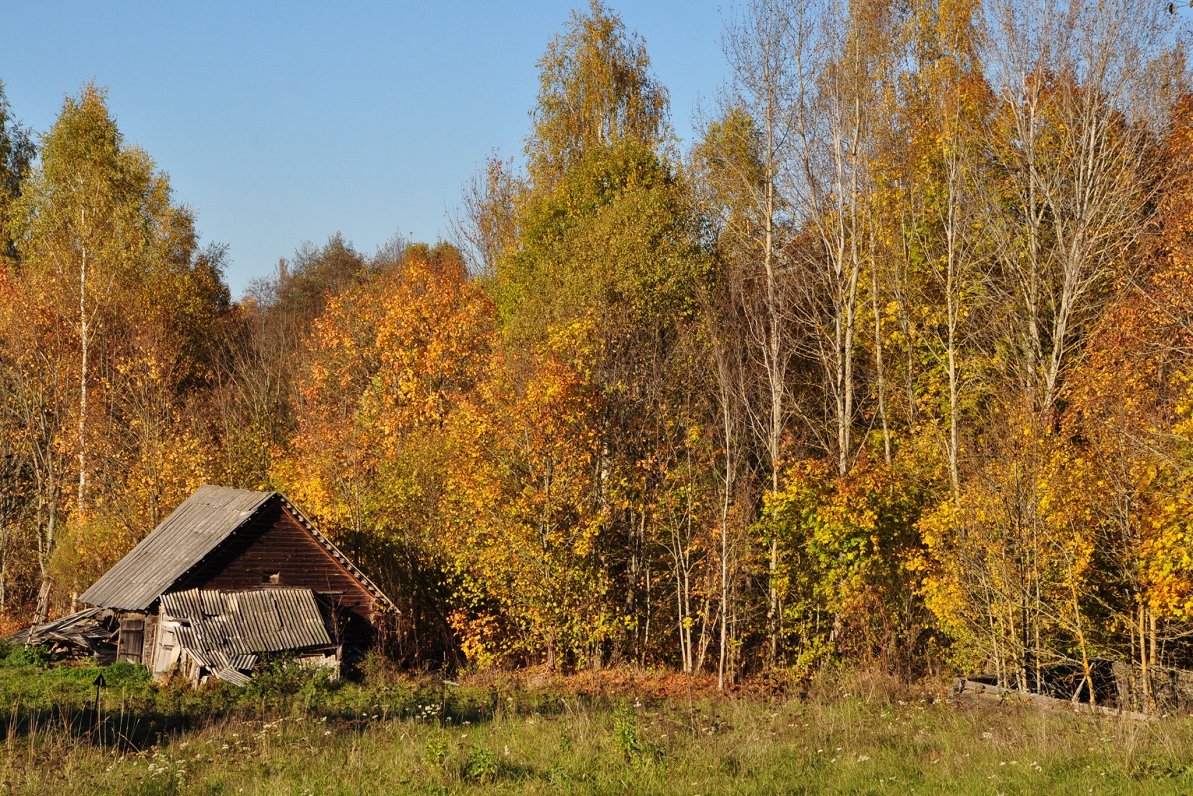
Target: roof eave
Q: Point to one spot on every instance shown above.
(339, 557)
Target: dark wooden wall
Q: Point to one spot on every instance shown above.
(276, 543)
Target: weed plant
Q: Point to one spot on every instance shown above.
(407, 734)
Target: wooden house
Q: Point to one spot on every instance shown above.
(231, 577)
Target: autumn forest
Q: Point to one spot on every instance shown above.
(892, 367)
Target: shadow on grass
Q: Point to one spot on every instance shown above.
(156, 715)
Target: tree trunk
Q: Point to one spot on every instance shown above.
(84, 364)
(42, 611)
(878, 344)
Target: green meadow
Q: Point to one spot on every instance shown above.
(294, 732)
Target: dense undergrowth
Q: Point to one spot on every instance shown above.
(619, 731)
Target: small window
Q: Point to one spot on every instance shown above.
(271, 577)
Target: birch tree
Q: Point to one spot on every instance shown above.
(1074, 85)
(764, 48)
(78, 226)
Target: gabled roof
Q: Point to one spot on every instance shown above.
(183, 539)
(192, 531)
(337, 555)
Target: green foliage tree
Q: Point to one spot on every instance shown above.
(16, 157)
(124, 303)
(608, 242)
(595, 89)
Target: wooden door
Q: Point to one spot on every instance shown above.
(130, 644)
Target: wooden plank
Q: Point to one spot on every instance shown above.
(276, 542)
(963, 687)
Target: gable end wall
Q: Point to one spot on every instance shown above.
(275, 542)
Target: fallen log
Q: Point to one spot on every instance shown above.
(963, 687)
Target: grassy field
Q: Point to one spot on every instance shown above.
(621, 733)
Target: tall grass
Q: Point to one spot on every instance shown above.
(414, 735)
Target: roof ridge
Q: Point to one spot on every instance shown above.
(181, 541)
(192, 532)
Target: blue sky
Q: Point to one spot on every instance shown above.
(280, 123)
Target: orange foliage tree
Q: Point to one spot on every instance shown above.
(387, 365)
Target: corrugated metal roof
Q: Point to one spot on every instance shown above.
(230, 674)
(186, 537)
(228, 629)
(192, 530)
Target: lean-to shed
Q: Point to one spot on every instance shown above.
(231, 576)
